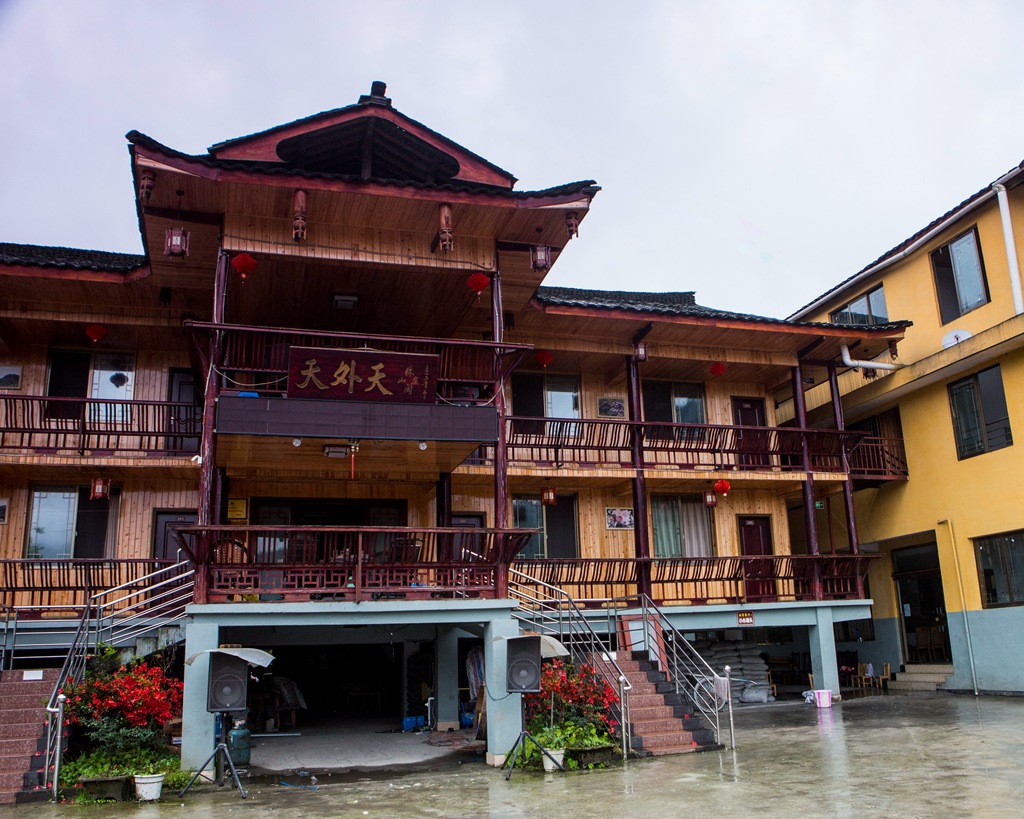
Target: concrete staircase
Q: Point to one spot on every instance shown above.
(23, 696)
(921, 677)
(660, 721)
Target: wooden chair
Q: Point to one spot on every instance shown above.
(861, 678)
(881, 681)
(771, 685)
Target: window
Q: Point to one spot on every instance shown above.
(1001, 569)
(545, 396)
(65, 522)
(959, 277)
(981, 421)
(682, 527)
(868, 308)
(556, 526)
(81, 374)
(673, 403)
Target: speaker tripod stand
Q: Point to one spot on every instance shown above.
(219, 757)
(520, 748)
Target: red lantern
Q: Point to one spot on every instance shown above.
(547, 496)
(478, 283)
(722, 488)
(717, 369)
(244, 264)
(96, 332)
(99, 489)
(544, 357)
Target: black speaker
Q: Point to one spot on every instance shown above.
(523, 665)
(228, 677)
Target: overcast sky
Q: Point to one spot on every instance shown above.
(755, 152)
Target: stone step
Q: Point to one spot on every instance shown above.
(651, 712)
(670, 750)
(647, 727)
(646, 700)
(909, 685)
(25, 746)
(21, 730)
(668, 739)
(929, 668)
(19, 780)
(938, 678)
(40, 688)
(23, 702)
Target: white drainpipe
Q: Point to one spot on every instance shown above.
(1011, 247)
(867, 365)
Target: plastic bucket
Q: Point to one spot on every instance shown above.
(148, 787)
(408, 723)
(559, 757)
(823, 698)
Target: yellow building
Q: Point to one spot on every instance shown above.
(950, 588)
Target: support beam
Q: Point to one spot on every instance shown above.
(810, 520)
(848, 504)
(504, 710)
(447, 689)
(821, 637)
(501, 499)
(641, 543)
(197, 724)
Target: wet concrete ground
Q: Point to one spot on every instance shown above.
(882, 756)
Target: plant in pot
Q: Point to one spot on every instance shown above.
(116, 716)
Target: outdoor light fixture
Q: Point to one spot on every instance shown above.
(544, 357)
(176, 242)
(640, 351)
(710, 499)
(147, 179)
(96, 333)
(99, 489)
(540, 257)
(296, 442)
(547, 496)
(422, 445)
(337, 450)
(572, 223)
(343, 302)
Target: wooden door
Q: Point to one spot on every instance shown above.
(184, 426)
(756, 541)
(165, 547)
(752, 443)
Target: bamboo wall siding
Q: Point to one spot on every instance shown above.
(12, 535)
(345, 242)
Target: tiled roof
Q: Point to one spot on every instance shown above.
(137, 138)
(69, 258)
(962, 208)
(672, 304)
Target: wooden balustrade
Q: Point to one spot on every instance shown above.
(80, 424)
(249, 563)
(58, 586)
(879, 459)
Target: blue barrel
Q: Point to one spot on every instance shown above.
(240, 744)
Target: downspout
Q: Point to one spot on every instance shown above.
(1011, 247)
(867, 365)
(963, 603)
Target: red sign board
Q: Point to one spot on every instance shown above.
(362, 375)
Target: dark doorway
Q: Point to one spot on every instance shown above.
(69, 378)
(922, 603)
(184, 421)
(560, 527)
(165, 547)
(751, 443)
(756, 541)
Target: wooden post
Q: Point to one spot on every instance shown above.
(808, 484)
(851, 516)
(207, 444)
(444, 499)
(501, 445)
(641, 543)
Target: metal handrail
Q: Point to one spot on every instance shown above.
(554, 612)
(689, 673)
(159, 598)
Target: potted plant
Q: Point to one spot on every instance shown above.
(552, 739)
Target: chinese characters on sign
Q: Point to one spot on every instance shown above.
(361, 375)
(744, 618)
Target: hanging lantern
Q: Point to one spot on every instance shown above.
(96, 332)
(299, 216)
(722, 488)
(540, 257)
(244, 264)
(547, 496)
(710, 499)
(544, 357)
(572, 223)
(445, 231)
(717, 369)
(99, 489)
(478, 282)
(176, 242)
(147, 179)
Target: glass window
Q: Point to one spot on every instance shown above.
(673, 402)
(1001, 569)
(981, 421)
(959, 277)
(868, 308)
(556, 526)
(681, 526)
(65, 522)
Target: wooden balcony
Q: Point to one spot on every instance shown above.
(703, 580)
(554, 442)
(296, 563)
(875, 460)
(256, 358)
(61, 586)
(98, 425)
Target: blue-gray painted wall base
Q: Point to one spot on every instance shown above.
(197, 725)
(446, 690)
(997, 636)
(504, 710)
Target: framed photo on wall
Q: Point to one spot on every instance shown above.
(5, 504)
(10, 376)
(618, 518)
(611, 408)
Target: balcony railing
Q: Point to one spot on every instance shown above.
(257, 357)
(80, 424)
(702, 580)
(555, 442)
(59, 586)
(251, 563)
(877, 458)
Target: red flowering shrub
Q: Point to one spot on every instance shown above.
(572, 695)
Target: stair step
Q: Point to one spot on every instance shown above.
(25, 702)
(651, 712)
(911, 685)
(26, 746)
(671, 749)
(670, 739)
(648, 727)
(21, 730)
(935, 679)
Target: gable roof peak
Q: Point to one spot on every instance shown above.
(378, 88)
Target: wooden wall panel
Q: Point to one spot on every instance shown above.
(741, 503)
(139, 499)
(12, 534)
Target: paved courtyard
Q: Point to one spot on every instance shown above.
(879, 756)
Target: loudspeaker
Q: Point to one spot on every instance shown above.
(523, 675)
(228, 677)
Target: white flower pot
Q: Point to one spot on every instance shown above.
(559, 756)
(148, 787)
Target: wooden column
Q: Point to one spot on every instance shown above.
(501, 498)
(206, 513)
(641, 543)
(808, 484)
(851, 516)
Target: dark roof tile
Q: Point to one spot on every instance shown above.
(69, 258)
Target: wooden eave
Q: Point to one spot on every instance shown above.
(37, 272)
(262, 147)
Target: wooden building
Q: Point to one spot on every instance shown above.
(334, 385)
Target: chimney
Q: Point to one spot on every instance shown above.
(376, 96)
